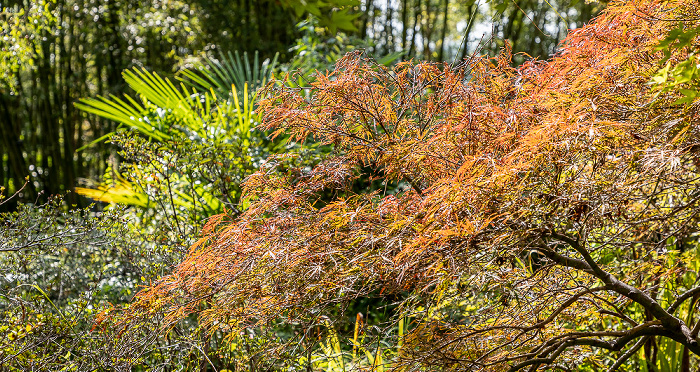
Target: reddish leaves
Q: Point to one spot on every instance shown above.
(549, 167)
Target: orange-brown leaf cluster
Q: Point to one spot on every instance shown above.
(520, 184)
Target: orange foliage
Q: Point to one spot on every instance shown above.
(543, 195)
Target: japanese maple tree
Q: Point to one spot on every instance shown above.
(549, 215)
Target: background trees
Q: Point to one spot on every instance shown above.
(68, 49)
(82, 53)
(446, 30)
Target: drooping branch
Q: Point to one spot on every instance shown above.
(628, 354)
(548, 352)
(679, 330)
(682, 298)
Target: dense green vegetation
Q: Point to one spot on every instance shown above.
(143, 143)
(55, 52)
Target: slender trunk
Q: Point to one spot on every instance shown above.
(81, 86)
(49, 129)
(471, 11)
(66, 85)
(388, 27)
(33, 131)
(370, 20)
(404, 24)
(416, 19)
(443, 32)
(97, 125)
(365, 19)
(427, 30)
(115, 67)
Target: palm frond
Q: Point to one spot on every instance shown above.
(163, 110)
(229, 70)
(214, 104)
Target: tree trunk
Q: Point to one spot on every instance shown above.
(66, 87)
(366, 19)
(443, 32)
(388, 28)
(416, 18)
(404, 24)
(472, 14)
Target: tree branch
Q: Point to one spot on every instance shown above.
(680, 299)
(627, 354)
(679, 329)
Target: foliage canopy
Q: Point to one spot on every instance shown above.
(550, 213)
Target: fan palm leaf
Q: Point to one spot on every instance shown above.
(211, 104)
